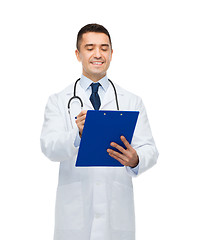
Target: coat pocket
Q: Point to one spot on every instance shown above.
(69, 207)
(122, 213)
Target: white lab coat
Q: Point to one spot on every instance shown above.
(93, 203)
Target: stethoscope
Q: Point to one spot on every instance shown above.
(80, 100)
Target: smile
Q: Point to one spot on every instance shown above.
(97, 63)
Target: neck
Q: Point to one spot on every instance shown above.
(94, 78)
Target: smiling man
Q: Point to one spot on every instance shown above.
(95, 203)
(94, 51)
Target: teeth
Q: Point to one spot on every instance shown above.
(97, 63)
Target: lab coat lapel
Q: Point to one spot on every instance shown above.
(110, 96)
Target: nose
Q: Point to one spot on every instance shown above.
(97, 53)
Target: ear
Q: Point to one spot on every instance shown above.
(77, 55)
(111, 55)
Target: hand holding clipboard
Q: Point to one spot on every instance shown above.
(100, 129)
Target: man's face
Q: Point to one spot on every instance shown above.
(95, 54)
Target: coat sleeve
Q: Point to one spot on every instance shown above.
(57, 141)
(143, 141)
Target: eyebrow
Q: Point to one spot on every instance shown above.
(91, 45)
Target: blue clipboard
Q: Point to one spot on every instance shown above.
(100, 129)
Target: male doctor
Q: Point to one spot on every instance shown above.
(95, 203)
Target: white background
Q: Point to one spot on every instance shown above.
(159, 54)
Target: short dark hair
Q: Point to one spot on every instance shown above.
(93, 27)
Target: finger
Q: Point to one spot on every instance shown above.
(118, 155)
(126, 143)
(83, 112)
(118, 159)
(79, 119)
(120, 148)
(80, 124)
(81, 116)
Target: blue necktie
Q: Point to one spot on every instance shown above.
(94, 98)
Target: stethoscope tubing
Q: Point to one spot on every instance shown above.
(77, 97)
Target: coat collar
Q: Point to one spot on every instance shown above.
(86, 82)
(109, 95)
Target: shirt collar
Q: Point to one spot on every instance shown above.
(86, 82)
